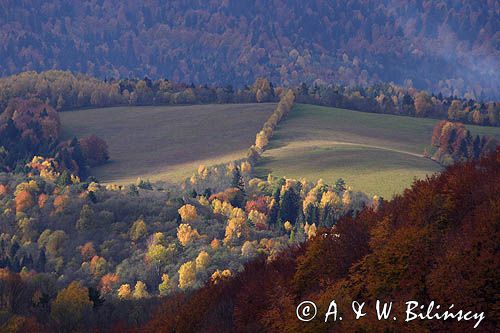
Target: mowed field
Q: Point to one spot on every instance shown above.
(375, 153)
(167, 142)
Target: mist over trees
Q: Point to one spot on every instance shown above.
(442, 46)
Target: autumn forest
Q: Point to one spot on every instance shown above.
(281, 153)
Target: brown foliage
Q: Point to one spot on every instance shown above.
(260, 204)
(94, 150)
(28, 114)
(438, 241)
(355, 42)
(453, 142)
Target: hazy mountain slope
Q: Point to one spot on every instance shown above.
(450, 46)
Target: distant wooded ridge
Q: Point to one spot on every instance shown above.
(64, 90)
(441, 46)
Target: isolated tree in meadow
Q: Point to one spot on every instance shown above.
(94, 150)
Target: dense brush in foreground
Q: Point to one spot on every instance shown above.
(436, 242)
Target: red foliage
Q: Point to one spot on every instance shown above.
(31, 115)
(232, 195)
(24, 200)
(438, 241)
(261, 204)
(42, 200)
(3, 189)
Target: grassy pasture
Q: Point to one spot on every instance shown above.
(167, 142)
(374, 153)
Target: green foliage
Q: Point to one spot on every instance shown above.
(289, 206)
(86, 220)
(138, 230)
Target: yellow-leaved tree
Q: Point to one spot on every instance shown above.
(70, 307)
(202, 260)
(140, 290)
(186, 234)
(124, 292)
(237, 226)
(187, 275)
(188, 213)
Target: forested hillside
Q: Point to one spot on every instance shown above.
(444, 46)
(436, 242)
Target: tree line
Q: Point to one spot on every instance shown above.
(398, 100)
(64, 90)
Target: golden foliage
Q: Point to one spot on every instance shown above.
(71, 304)
(202, 260)
(140, 290)
(188, 213)
(218, 275)
(124, 292)
(237, 226)
(187, 275)
(258, 219)
(246, 167)
(185, 234)
(310, 230)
